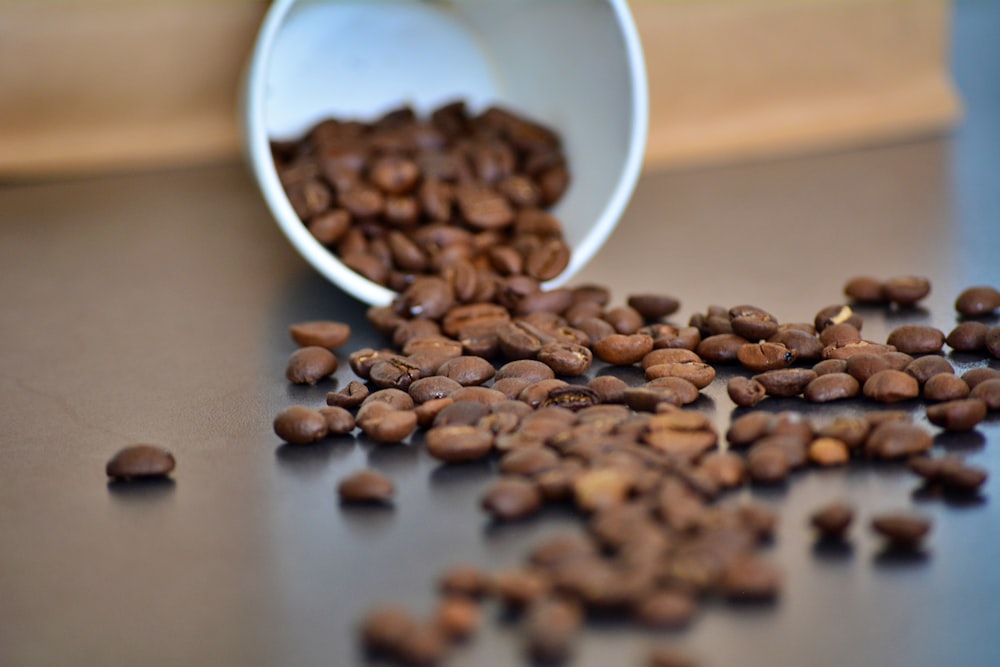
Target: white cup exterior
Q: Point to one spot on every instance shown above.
(574, 65)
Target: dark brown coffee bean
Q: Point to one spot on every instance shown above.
(903, 530)
(698, 373)
(848, 350)
(596, 328)
(520, 340)
(140, 461)
(528, 462)
(785, 382)
(667, 609)
(906, 290)
(322, 333)
(428, 297)
(505, 260)
(838, 314)
(609, 389)
(745, 392)
(975, 376)
(625, 319)
(366, 486)
(309, 365)
(473, 314)
(832, 520)
(749, 428)
(721, 348)
(384, 319)
(309, 198)
(959, 478)
(978, 301)
(329, 226)
(548, 260)
(806, 346)
(863, 366)
(433, 387)
(511, 498)
(458, 443)
(511, 387)
(467, 370)
(465, 580)
(916, 339)
(924, 368)
(527, 369)
(428, 411)
(653, 306)
(945, 387)
(361, 201)
(959, 415)
(385, 629)
(571, 397)
(567, 359)
(751, 579)
(668, 356)
(299, 425)
(483, 207)
(752, 323)
(831, 387)
(830, 366)
(768, 465)
(338, 420)
(891, 386)
(993, 341)
(968, 337)
(622, 349)
(395, 372)
(367, 265)
(461, 413)
(759, 357)
(864, 289)
(349, 397)
(669, 656)
(393, 174)
(386, 426)
(897, 440)
(842, 333)
(987, 391)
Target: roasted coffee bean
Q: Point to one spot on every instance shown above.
(483, 207)
(745, 392)
(968, 337)
(462, 413)
(299, 425)
(394, 398)
(544, 301)
(386, 426)
(466, 580)
(906, 290)
(548, 260)
(526, 369)
(528, 462)
(830, 366)
(806, 346)
(848, 350)
(430, 388)
(595, 328)
(827, 452)
(864, 289)
(842, 333)
(571, 397)
(338, 420)
(863, 366)
(309, 365)
(945, 387)
(949, 472)
(520, 340)
(768, 465)
(975, 376)
(924, 368)
(978, 301)
(395, 372)
(349, 397)
(322, 333)
(467, 370)
(751, 579)
(851, 431)
(903, 530)
(993, 341)
(897, 440)
(916, 339)
(385, 629)
(567, 359)
(665, 391)
(752, 323)
(891, 386)
(832, 520)
(460, 317)
(366, 486)
(666, 609)
(669, 656)
(609, 389)
(140, 461)
(785, 382)
(831, 387)
(413, 330)
(653, 306)
(329, 226)
(511, 387)
(511, 498)
(625, 319)
(458, 443)
(536, 394)
(458, 617)
(760, 357)
(428, 297)
(361, 361)
(721, 348)
(727, 468)
(749, 428)
(549, 628)
(987, 391)
(428, 411)
(959, 415)
(838, 314)
(622, 349)
(698, 373)
(669, 356)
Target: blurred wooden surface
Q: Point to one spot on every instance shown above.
(110, 84)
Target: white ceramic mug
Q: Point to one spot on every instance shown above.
(574, 65)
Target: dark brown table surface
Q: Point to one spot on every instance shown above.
(154, 308)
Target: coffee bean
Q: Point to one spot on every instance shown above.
(309, 365)
(548, 260)
(394, 398)
(622, 349)
(806, 346)
(760, 357)
(428, 411)
(865, 289)
(987, 391)
(959, 478)
(366, 486)
(467, 370)
(388, 425)
(749, 428)
(698, 373)
(329, 226)
(841, 334)
(832, 520)
(785, 382)
(140, 461)
(906, 290)
(299, 425)
(662, 391)
(625, 319)
(571, 397)
(993, 341)
(669, 656)
(457, 443)
(968, 337)
(825, 451)
(550, 627)
(536, 394)
(863, 366)
(945, 387)
(349, 397)
(511, 498)
(609, 389)
(745, 392)
(848, 350)
(433, 387)
(528, 462)
(831, 387)
(567, 359)
(653, 306)
(467, 580)
(428, 297)
(321, 333)
(924, 368)
(916, 339)
(768, 465)
(975, 376)
(414, 330)
(721, 348)
(752, 323)
(891, 386)
(849, 430)
(897, 440)
(903, 530)
(959, 415)
(978, 301)
(458, 617)
(666, 609)
(836, 314)
(384, 629)
(394, 372)
(338, 420)
(830, 366)
(751, 580)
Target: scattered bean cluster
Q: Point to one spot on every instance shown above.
(495, 378)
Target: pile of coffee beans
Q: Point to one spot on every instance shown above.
(512, 378)
(457, 195)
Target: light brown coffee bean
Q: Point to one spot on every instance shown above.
(831, 387)
(394, 398)
(864, 289)
(140, 461)
(698, 373)
(768, 465)
(891, 386)
(320, 333)
(428, 411)
(848, 350)
(366, 486)
(760, 357)
(568, 359)
(978, 301)
(465, 580)
(622, 349)
(386, 426)
(299, 425)
(338, 420)
(309, 365)
(727, 468)
(968, 336)
(751, 579)
(625, 319)
(329, 226)
(975, 376)
(830, 366)
(458, 617)
(458, 443)
(806, 346)
(825, 452)
(849, 430)
(958, 415)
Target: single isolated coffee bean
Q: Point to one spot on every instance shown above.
(320, 333)
(140, 461)
(865, 289)
(832, 520)
(903, 530)
(978, 301)
(653, 306)
(309, 365)
(299, 425)
(366, 486)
